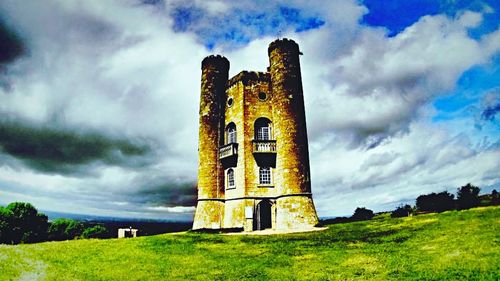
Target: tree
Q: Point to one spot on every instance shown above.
(5, 225)
(435, 202)
(495, 197)
(96, 231)
(362, 214)
(65, 229)
(402, 211)
(27, 225)
(468, 197)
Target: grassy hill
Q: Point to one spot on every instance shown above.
(455, 245)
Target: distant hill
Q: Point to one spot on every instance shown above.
(453, 245)
(82, 217)
(112, 224)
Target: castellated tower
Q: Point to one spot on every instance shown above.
(253, 168)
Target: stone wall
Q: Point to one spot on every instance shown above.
(209, 214)
(295, 212)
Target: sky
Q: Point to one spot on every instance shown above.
(99, 99)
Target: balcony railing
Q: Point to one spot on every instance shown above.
(228, 150)
(264, 146)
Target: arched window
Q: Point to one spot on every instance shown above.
(265, 175)
(262, 128)
(230, 178)
(231, 133)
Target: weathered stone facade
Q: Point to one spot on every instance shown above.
(253, 168)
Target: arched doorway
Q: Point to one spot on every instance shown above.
(263, 215)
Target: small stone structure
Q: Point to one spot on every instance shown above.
(127, 232)
(253, 171)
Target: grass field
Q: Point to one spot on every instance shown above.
(448, 246)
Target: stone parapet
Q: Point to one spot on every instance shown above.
(248, 77)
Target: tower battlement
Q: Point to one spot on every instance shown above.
(247, 77)
(215, 60)
(283, 44)
(253, 170)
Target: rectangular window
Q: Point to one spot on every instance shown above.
(264, 133)
(265, 175)
(232, 136)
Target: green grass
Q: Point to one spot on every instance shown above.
(448, 246)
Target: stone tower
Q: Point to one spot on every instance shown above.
(253, 168)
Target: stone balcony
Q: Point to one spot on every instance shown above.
(264, 146)
(228, 150)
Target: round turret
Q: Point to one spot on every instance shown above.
(295, 207)
(214, 77)
(288, 111)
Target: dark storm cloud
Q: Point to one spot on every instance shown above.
(160, 190)
(11, 45)
(50, 149)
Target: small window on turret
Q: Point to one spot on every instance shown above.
(230, 179)
(230, 102)
(262, 96)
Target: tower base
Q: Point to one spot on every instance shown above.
(295, 212)
(208, 214)
(283, 213)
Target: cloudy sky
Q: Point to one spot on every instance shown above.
(99, 99)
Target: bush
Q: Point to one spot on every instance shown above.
(361, 214)
(26, 225)
(435, 202)
(65, 229)
(468, 197)
(97, 231)
(402, 211)
(5, 225)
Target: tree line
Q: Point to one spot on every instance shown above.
(467, 197)
(22, 223)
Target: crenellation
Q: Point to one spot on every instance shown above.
(219, 62)
(249, 77)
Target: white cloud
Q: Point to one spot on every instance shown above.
(377, 86)
(427, 159)
(470, 19)
(177, 209)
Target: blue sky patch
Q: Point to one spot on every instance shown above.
(471, 87)
(239, 27)
(294, 17)
(396, 15)
(184, 17)
(490, 112)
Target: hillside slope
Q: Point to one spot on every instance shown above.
(448, 246)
